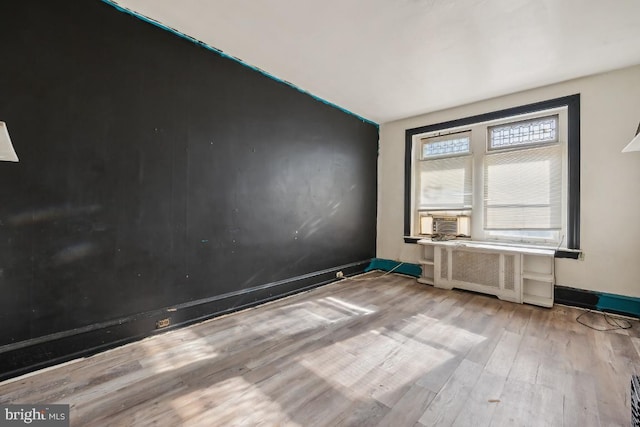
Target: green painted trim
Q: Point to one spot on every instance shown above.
(397, 267)
(162, 26)
(619, 303)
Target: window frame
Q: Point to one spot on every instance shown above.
(571, 102)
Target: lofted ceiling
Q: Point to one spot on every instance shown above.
(390, 59)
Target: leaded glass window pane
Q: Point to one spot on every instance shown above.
(529, 132)
(445, 146)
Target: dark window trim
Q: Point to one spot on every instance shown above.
(560, 253)
(572, 102)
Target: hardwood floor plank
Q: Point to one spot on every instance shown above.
(482, 402)
(324, 408)
(581, 401)
(504, 354)
(531, 352)
(526, 404)
(449, 401)
(409, 408)
(362, 413)
(444, 364)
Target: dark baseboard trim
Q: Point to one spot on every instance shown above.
(611, 303)
(575, 297)
(20, 358)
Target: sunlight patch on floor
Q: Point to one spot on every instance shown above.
(185, 348)
(367, 361)
(315, 314)
(354, 308)
(231, 402)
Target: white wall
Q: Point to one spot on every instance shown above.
(610, 180)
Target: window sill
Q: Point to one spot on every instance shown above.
(559, 253)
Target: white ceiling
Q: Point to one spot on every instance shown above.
(390, 59)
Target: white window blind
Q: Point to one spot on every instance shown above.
(523, 189)
(445, 183)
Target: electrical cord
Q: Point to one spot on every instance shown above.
(611, 321)
(376, 277)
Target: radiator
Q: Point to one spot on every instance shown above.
(512, 273)
(483, 271)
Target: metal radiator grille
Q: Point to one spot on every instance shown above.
(509, 272)
(444, 264)
(476, 267)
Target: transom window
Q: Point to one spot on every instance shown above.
(508, 176)
(436, 147)
(521, 133)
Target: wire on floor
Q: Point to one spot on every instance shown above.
(611, 321)
(376, 277)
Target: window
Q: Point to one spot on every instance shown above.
(513, 173)
(523, 175)
(444, 171)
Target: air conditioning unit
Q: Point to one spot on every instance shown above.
(443, 225)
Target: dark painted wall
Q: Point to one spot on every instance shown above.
(154, 172)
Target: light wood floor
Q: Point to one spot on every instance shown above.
(386, 351)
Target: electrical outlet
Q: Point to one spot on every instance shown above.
(339, 275)
(163, 323)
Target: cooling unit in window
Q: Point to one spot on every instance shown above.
(454, 226)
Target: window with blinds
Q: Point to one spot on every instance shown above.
(445, 173)
(523, 189)
(523, 180)
(507, 176)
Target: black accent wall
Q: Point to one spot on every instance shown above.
(155, 174)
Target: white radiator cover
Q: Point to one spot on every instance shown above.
(488, 272)
(514, 274)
